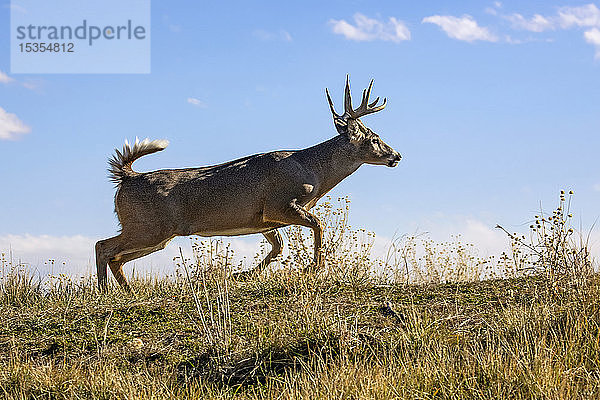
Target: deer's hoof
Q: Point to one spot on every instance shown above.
(310, 268)
(245, 275)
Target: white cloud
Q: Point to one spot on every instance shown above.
(281, 35)
(583, 16)
(586, 16)
(464, 28)
(593, 37)
(173, 27)
(487, 240)
(5, 78)
(593, 243)
(196, 102)
(596, 187)
(567, 17)
(493, 10)
(11, 127)
(537, 23)
(510, 40)
(369, 29)
(75, 255)
(486, 237)
(286, 36)
(31, 85)
(75, 251)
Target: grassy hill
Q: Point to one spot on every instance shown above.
(344, 332)
(300, 336)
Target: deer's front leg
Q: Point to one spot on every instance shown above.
(293, 214)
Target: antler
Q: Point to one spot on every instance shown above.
(335, 115)
(365, 107)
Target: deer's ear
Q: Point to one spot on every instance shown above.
(353, 131)
(341, 125)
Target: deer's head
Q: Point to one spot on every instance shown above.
(368, 145)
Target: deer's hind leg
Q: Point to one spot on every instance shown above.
(118, 250)
(104, 251)
(274, 238)
(116, 266)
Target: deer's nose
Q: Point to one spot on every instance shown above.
(394, 159)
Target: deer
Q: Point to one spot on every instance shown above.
(255, 194)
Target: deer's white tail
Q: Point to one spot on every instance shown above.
(121, 161)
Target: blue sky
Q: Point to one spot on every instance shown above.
(494, 107)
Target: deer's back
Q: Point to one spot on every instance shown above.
(213, 198)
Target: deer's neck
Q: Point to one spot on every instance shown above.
(331, 161)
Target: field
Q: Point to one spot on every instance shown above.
(428, 328)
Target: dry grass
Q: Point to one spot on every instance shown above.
(351, 331)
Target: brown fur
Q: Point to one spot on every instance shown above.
(254, 194)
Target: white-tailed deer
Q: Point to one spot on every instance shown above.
(254, 194)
